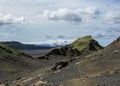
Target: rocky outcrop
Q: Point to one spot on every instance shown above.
(85, 45)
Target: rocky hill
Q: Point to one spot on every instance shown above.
(86, 43)
(99, 69)
(83, 46)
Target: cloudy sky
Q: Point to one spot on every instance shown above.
(37, 21)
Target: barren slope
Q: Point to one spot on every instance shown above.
(101, 68)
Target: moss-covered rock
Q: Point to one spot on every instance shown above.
(86, 43)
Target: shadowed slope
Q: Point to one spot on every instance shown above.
(13, 61)
(65, 51)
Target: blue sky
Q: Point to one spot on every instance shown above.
(44, 20)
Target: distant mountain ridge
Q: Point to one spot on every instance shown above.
(21, 46)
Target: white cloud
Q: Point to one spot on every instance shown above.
(107, 34)
(72, 15)
(9, 19)
(113, 17)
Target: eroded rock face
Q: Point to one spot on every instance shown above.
(62, 51)
(66, 50)
(93, 45)
(60, 65)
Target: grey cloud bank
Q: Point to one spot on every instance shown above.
(9, 19)
(113, 17)
(72, 15)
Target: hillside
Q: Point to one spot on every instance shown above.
(20, 46)
(83, 46)
(13, 62)
(100, 69)
(8, 52)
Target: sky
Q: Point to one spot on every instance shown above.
(45, 21)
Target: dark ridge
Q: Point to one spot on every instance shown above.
(8, 51)
(20, 46)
